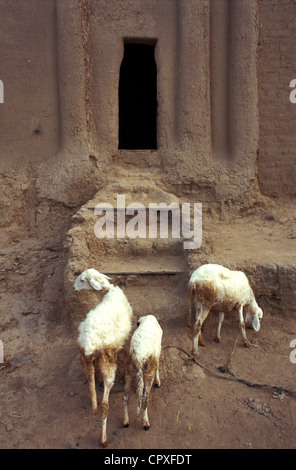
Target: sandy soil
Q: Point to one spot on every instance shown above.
(44, 396)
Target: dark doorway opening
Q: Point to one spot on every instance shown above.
(138, 98)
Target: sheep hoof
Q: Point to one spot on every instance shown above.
(104, 444)
(217, 339)
(201, 341)
(125, 425)
(250, 344)
(146, 427)
(157, 385)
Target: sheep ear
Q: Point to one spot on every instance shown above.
(256, 322)
(95, 284)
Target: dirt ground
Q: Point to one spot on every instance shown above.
(44, 396)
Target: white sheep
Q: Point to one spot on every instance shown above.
(214, 288)
(143, 357)
(102, 335)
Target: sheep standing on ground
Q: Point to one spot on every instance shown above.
(213, 287)
(144, 354)
(101, 336)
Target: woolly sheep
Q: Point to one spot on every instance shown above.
(143, 357)
(216, 288)
(101, 336)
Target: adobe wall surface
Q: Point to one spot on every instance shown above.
(30, 124)
(60, 64)
(276, 69)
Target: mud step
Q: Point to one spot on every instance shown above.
(144, 273)
(143, 265)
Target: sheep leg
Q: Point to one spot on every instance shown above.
(198, 307)
(147, 387)
(243, 326)
(88, 368)
(127, 387)
(192, 299)
(108, 383)
(203, 313)
(221, 318)
(157, 382)
(108, 370)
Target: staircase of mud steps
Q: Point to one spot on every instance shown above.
(153, 272)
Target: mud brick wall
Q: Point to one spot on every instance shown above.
(216, 60)
(277, 115)
(29, 117)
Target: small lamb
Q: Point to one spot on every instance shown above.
(143, 357)
(102, 335)
(214, 288)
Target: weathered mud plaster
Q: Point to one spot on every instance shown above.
(59, 122)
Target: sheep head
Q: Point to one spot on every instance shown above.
(254, 315)
(91, 279)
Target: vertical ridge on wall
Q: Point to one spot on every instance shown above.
(85, 25)
(233, 69)
(219, 69)
(244, 123)
(194, 75)
(71, 76)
